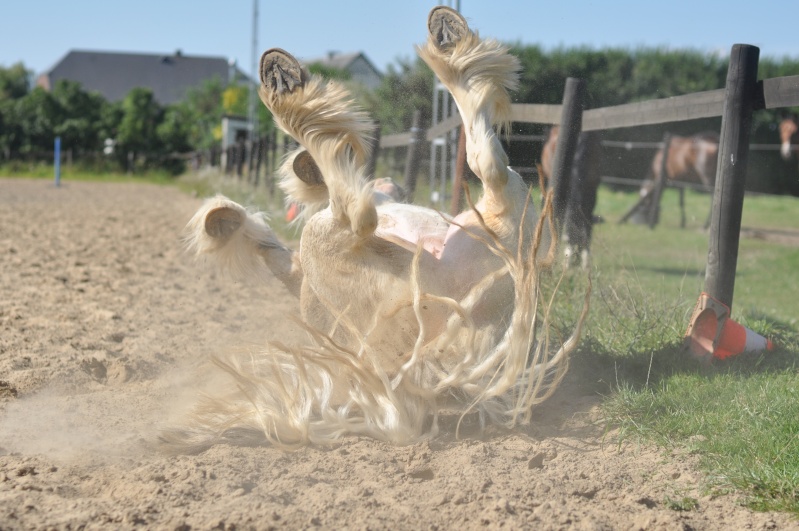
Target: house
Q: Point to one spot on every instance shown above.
(114, 74)
(357, 64)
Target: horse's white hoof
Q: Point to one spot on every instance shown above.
(223, 221)
(306, 169)
(446, 26)
(280, 71)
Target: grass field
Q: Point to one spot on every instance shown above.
(740, 416)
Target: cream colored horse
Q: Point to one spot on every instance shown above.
(407, 311)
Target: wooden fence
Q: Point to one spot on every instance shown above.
(742, 95)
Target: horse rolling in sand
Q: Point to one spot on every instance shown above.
(406, 311)
(584, 181)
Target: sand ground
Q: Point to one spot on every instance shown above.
(105, 329)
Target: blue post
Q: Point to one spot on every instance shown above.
(57, 161)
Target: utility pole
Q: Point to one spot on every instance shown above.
(443, 108)
(252, 115)
(252, 94)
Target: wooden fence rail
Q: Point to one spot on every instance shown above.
(742, 95)
(772, 93)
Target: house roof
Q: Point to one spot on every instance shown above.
(336, 60)
(114, 74)
(342, 61)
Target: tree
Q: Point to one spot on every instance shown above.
(204, 105)
(173, 137)
(37, 115)
(401, 92)
(236, 101)
(79, 116)
(137, 129)
(14, 82)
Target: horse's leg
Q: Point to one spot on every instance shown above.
(322, 117)
(241, 242)
(705, 166)
(479, 74)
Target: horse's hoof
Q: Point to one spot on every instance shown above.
(280, 71)
(222, 222)
(305, 168)
(446, 26)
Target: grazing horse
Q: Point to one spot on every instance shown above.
(691, 159)
(789, 135)
(583, 184)
(406, 310)
(548, 157)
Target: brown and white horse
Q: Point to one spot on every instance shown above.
(789, 135)
(691, 159)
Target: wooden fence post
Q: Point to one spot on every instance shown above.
(259, 158)
(371, 164)
(728, 196)
(271, 168)
(413, 158)
(460, 169)
(249, 152)
(653, 215)
(241, 153)
(570, 125)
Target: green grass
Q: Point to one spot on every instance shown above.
(79, 173)
(740, 416)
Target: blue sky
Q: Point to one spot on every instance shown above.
(40, 32)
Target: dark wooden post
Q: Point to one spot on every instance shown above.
(413, 157)
(371, 164)
(271, 168)
(728, 196)
(229, 159)
(460, 168)
(259, 159)
(571, 122)
(241, 153)
(251, 159)
(653, 216)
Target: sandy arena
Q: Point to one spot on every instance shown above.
(106, 326)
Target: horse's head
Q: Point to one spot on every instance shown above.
(788, 128)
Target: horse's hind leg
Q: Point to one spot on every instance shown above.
(241, 242)
(322, 117)
(479, 74)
